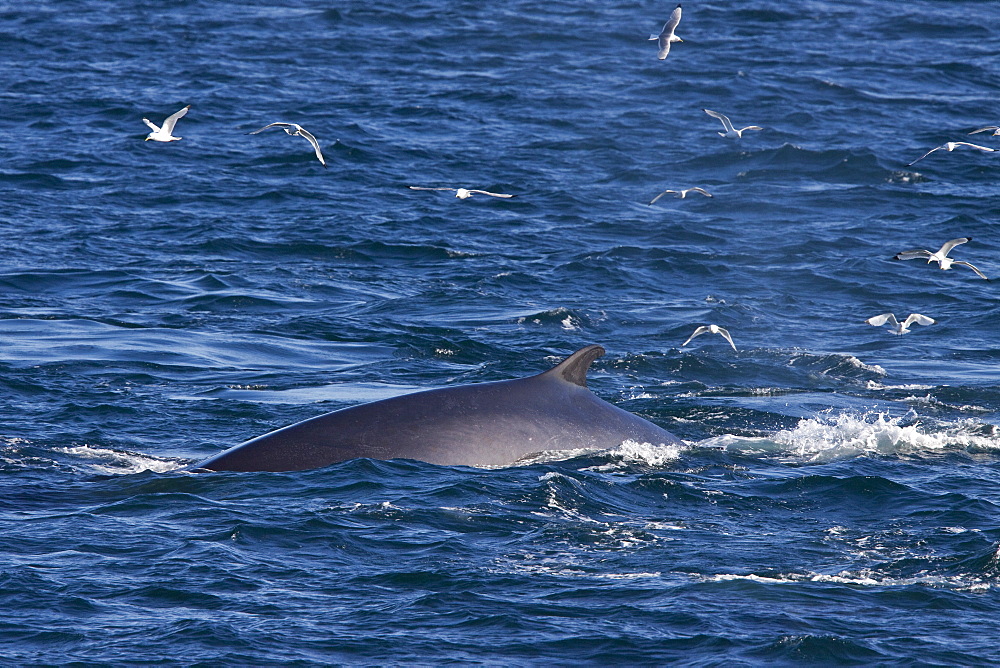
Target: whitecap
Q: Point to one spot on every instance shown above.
(861, 578)
(874, 368)
(823, 439)
(121, 462)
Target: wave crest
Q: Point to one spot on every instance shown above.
(844, 436)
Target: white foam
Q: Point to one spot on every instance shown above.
(121, 462)
(862, 578)
(626, 576)
(928, 400)
(630, 453)
(560, 570)
(846, 435)
(874, 368)
(873, 385)
(547, 456)
(637, 392)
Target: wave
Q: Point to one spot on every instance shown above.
(844, 436)
(21, 453)
(566, 319)
(862, 578)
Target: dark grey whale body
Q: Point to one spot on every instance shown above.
(486, 424)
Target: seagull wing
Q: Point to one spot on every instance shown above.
(751, 127)
(302, 132)
(970, 266)
(962, 143)
(946, 248)
(700, 190)
(171, 121)
(671, 25)
(663, 42)
(666, 35)
(153, 126)
(988, 128)
(486, 192)
(917, 318)
(653, 201)
(879, 320)
(924, 155)
(725, 335)
(273, 125)
(423, 188)
(698, 332)
(722, 117)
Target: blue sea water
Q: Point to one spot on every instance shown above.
(836, 500)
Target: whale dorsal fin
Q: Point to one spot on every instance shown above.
(573, 369)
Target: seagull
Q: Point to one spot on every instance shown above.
(296, 130)
(165, 133)
(731, 132)
(897, 327)
(667, 35)
(951, 146)
(941, 257)
(994, 128)
(464, 193)
(682, 193)
(711, 329)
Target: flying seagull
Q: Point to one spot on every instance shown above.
(941, 256)
(711, 329)
(993, 129)
(731, 132)
(681, 194)
(897, 327)
(464, 193)
(296, 130)
(951, 146)
(165, 133)
(667, 35)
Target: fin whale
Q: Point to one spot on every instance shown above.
(484, 424)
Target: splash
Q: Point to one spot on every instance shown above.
(632, 453)
(845, 436)
(121, 462)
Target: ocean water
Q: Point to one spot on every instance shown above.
(836, 500)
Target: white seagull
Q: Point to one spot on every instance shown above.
(941, 256)
(711, 329)
(667, 35)
(681, 193)
(296, 130)
(464, 193)
(165, 133)
(951, 146)
(731, 132)
(897, 327)
(994, 128)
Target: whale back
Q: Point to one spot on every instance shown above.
(484, 424)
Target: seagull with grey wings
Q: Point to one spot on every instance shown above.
(165, 132)
(727, 125)
(941, 256)
(464, 193)
(897, 327)
(667, 36)
(681, 194)
(296, 130)
(951, 146)
(711, 329)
